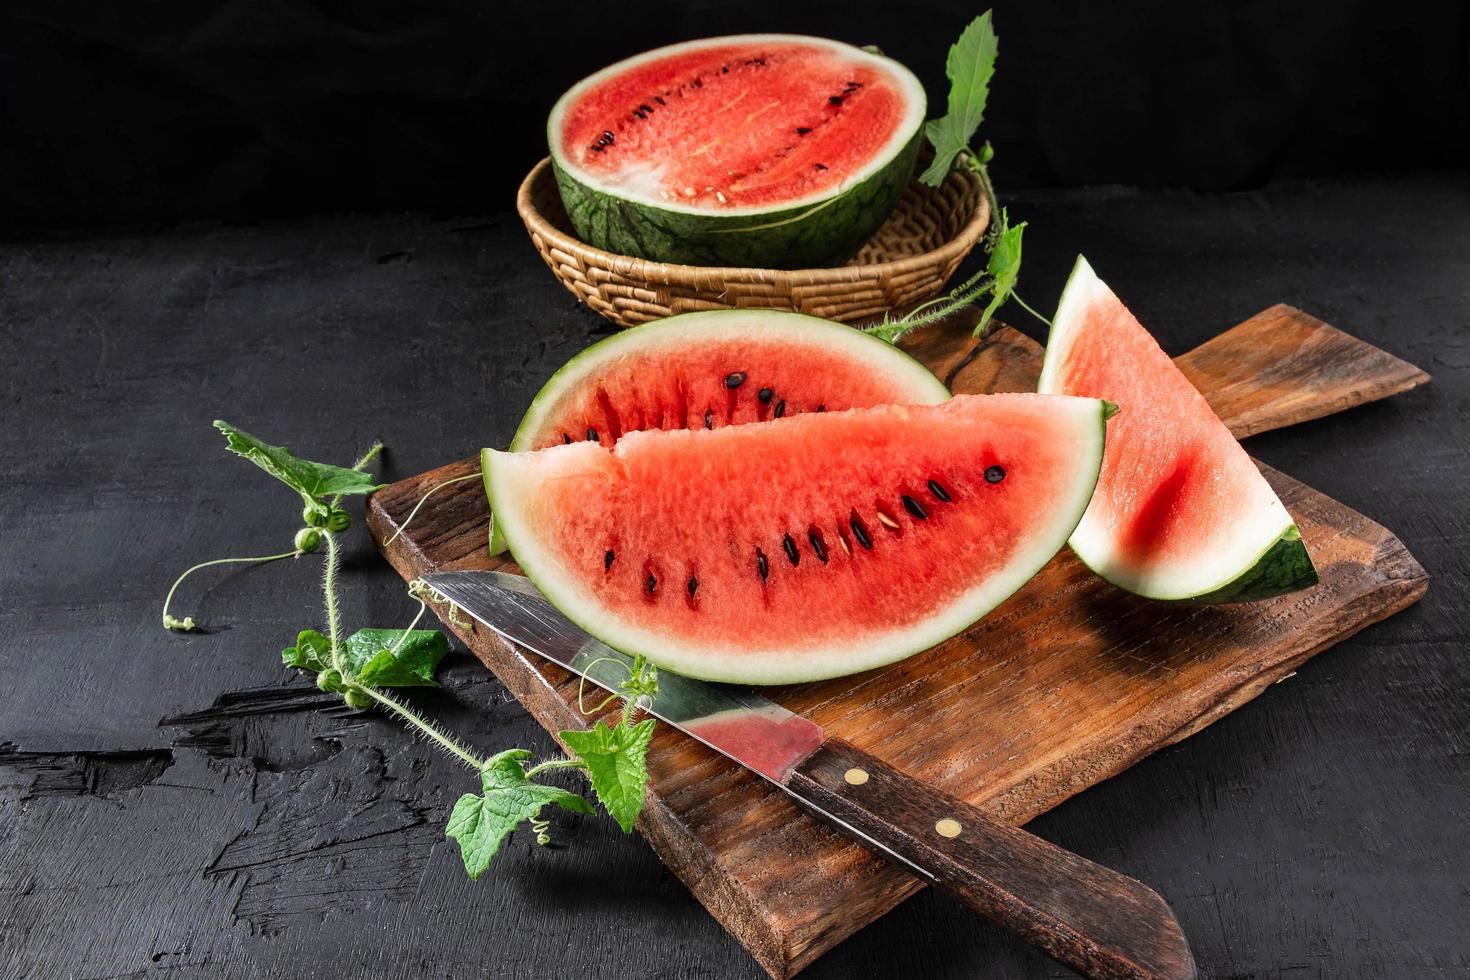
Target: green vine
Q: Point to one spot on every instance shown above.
(362, 667)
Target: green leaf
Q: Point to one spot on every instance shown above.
(372, 658)
(312, 652)
(481, 823)
(969, 66)
(617, 765)
(312, 480)
(1004, 268)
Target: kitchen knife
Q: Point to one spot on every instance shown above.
(1098, 922)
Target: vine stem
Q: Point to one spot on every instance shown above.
(992, 228)
(431, 491)
(363, 460)
(1025, 306)
(329, 591)
(206, 564)
(423, 724)
(423, 607)
(555, 764)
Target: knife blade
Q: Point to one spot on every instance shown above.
(1095, 920)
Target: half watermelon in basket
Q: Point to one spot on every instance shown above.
(767, 150)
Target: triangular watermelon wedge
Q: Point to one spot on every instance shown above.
(805, 547)
(1180, 512)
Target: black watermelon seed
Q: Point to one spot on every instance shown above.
(591, 434)
(725, 70)
(938, 491)
(818, 545)
(734, 380)
(607, 559)
(912, 506)
(802, 130)
(760, 564)
(780, 409)
(994, 474)
(835, 100)
(566, 438)
(792, 555)
(820, 166)
(596, 147)
(821, 408)
(765, 395)
(860, 532)
(692, 586)
(646, 107)
(709, 418)
(697, 83)
(652, 582)
(607, 135)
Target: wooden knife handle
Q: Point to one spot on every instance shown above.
(1090, 918)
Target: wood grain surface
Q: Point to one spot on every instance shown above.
(1064, 685)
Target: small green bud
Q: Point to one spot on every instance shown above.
(308, 539)
(314, 516)
(357, 699)
(329, 680)
(338, 521)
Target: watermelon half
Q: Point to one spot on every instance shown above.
(709, 370)
(1181, 512)
(805, 547)
(772, 150)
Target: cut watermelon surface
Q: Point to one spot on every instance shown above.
(710, 370)
(760, 149)
(1181, 511)
(806, 547)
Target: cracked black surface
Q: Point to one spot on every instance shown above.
(185, 806)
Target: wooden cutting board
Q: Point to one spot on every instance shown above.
(1067, 683)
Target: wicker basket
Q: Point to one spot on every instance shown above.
(907, 261)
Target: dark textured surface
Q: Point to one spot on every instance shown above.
(190, 109)
(178, 803)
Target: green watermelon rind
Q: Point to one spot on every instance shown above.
(823, 229)
(926, 388)
(811, 236)
(741, 670)
(1282, 566)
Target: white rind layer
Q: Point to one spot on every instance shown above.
(915, 102)
(1229, 556)
(512, 494)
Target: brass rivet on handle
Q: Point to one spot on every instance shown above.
(948, 827)
(856, 777)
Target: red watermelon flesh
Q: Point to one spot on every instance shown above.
(1180, 511)
(723, 367)
(733, 124)
(806, 547)
(717, 368)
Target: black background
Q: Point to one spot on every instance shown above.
(183, 806)
(267, 108)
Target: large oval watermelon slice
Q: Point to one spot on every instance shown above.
(770, 150)
(805, 547)
(709, 370)
(1180, 512)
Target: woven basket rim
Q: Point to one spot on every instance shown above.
(649, 270)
